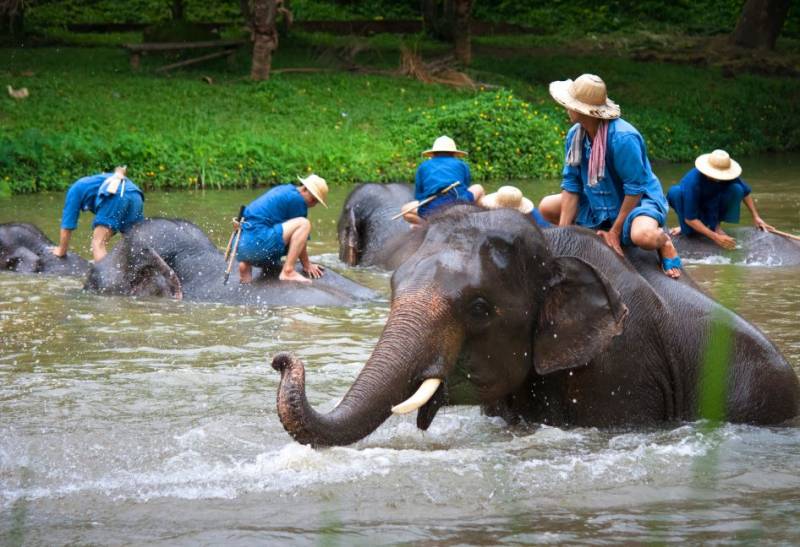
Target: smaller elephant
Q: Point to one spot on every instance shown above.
(25, 249)
(174, 258)
(753, 247)
(366, 223)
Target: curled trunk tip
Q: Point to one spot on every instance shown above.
(284, 360)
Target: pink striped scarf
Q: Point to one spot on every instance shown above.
(597, 159)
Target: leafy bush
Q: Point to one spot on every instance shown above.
(507, 138)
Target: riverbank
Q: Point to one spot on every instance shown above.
(209, 127)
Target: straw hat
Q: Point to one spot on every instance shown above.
(507, 196)
(444, 144)
(317, 186)
(718, 165)
(587, 95)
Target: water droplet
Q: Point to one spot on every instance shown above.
(574, 401)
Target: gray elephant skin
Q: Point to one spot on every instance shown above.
(366, 226)
(25, 249)
(549, 326)
(174, 258)
(753, 246)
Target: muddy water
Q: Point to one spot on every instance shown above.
(148, 421)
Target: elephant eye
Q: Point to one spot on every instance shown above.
(480, 309)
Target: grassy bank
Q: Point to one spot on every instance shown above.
(87, 112)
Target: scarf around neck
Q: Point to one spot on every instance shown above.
(597, 158)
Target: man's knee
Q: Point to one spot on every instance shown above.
(646, 233)
(477, 191)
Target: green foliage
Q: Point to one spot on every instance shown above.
(506, 138)
(88, 112)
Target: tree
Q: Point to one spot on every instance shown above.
(12, 17)
(449, 20)
(760, 23)
(261, 16)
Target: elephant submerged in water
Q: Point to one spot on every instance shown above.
(548, 326)
(174, 258)
(25, 249)
(366, 225)
(753, 246)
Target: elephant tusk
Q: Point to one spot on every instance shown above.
(423, 394)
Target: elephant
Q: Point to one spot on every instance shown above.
(547, 326)
(366, 225)
(174, 258)
(753, 247)
(25, 249)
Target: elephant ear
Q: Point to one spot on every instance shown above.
(151, 276)
(580, 315)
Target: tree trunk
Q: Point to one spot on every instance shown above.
(760, 24)
(265, 36)
(461, 32)
(177, 10)
(449, 20)
(12, 20)
(437, 18)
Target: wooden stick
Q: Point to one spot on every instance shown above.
(229, 258)
(784, 234)
(188, 62)
(427, 200)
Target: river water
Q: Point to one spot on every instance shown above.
(129, 421)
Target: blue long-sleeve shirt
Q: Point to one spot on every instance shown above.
(627, 173)
(83, 196)
(439, 172)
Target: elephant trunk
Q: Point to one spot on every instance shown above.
(348, 240)
(416, 345)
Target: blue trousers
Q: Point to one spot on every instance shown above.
(727, 208)
(119, 213)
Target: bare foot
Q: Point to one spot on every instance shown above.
(245, 273)
(293, 276)
(676, 231)
(668, 253)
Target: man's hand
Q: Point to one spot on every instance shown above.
(725, 241)
(314, 271)
(761, 225)
(58, 252)
(612, 239)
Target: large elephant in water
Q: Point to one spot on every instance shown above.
(548, 326)
(25, 249)
(366, 225)
(753, 246)
(174, 258)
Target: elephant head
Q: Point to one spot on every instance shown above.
(480, 306)
(132, 270)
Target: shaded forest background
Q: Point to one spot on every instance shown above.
(356, 104)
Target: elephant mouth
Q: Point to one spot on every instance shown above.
(428, 399)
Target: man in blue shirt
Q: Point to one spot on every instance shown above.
(116, 202)
(275, 225)
(709, 194)
(436, 174)
(608, 184)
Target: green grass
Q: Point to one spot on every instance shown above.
(88, 112)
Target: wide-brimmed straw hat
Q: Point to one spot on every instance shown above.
(587, 95)
(718, 165)
(317, 186)
(444, 144)
(509, 197)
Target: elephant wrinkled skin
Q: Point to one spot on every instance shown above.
(366, 226)
(174, 258)
(551, 327)
(25, 249)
